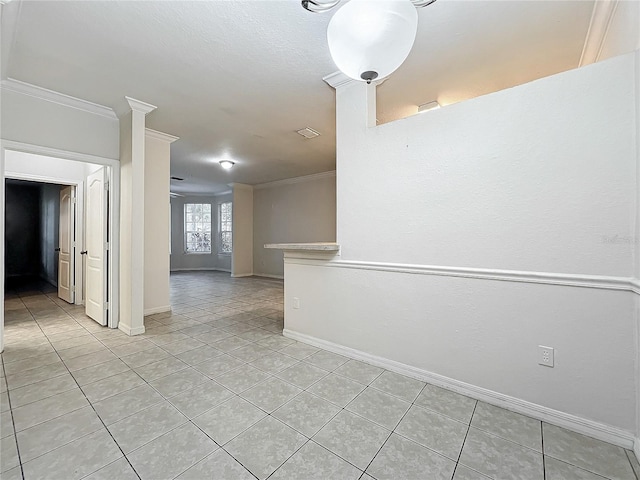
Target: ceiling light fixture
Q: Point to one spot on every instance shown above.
(368, 40)
(425, 107)
(227, 164)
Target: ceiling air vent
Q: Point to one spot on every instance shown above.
(177, 178)
(308, 132)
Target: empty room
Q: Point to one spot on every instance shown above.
(320, 239)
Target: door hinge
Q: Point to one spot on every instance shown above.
(73, 199)
(73, 289)
(106, 246)
(73, 244)
(106, 306)
(106, 186)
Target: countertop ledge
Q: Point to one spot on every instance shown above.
(313, 247)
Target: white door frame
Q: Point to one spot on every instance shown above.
(79, 223)
(114, 218)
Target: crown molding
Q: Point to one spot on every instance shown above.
(601, 17)
(139, 106)
(337, 79)
(291, 181)
(165, 137)
(240, 186)
(17, 86)
(56, 153)
(188, 195)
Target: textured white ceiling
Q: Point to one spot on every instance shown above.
(238, 78)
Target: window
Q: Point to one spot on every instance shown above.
(225, 225)
(197, 228)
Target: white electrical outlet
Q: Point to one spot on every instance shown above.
(296, 302)
(545, 356)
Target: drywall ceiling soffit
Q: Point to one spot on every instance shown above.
(238, 79)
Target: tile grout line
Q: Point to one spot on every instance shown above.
(188, 420)
(206, 307)
(393, 430)
(90, 404)
(465, 438)
(9, 395)
(13, 423)
(629, 453)
(544, 463)
(270, 414)
(15, 430)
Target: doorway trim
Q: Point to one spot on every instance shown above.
(79, 222)
(114, 218)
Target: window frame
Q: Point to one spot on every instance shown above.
(221, 231)
(187, 231)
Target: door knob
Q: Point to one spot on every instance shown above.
(84, 252)
(56, 249)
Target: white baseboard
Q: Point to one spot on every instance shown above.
(200, 269)
(151, 311)
(268, 275)
(131, 331)
(241, 275)
(636, 448)
(571, 422)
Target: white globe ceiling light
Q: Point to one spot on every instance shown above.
(227, 164)
(370, 39)
(319, 6)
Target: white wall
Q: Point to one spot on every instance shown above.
(189, 261)
(538, 178)
(156, 225)
(242, 256)
(522, 179)
(35, 121)
(301, 210)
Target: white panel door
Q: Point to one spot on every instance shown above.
(96, 247)
(66, 238)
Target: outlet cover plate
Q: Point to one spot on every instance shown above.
(545, 356)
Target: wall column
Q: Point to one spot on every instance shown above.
(355, 113)
(157, 222)
(132, 148)
(242, 256)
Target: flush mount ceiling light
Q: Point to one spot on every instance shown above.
(369, 39)
(227, 164)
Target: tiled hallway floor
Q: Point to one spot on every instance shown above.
(214, 391)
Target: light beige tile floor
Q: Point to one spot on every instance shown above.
(213, 390)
